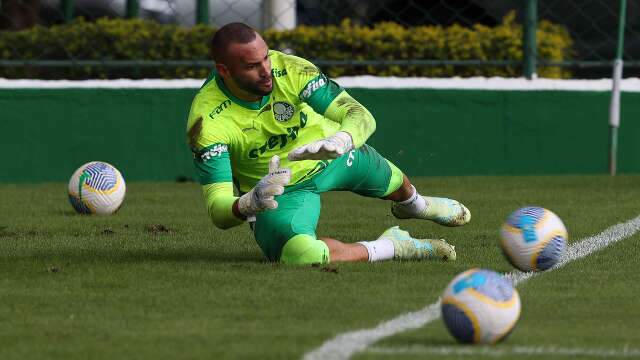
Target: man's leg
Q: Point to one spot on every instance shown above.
(392, 244)
(345, 252)
(365, 172)
(409, 204)
(287, 234)
(404, 192)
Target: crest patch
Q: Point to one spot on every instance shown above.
(282, 111)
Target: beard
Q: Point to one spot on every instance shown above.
(254, 88)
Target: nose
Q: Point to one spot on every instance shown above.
(265, 70)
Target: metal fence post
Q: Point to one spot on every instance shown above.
(202, 12)
(614, 106)
(279, 14)
(67, 10)
(529, 38)
(133, 9)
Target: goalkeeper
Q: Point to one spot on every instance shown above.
(282, 132)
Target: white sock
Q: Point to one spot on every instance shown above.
(415, 204)
(379, 249)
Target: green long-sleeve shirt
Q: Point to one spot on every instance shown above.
(232, 140)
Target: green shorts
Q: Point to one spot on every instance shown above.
(362, 171)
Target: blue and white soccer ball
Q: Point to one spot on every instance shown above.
(533, 239)
(480, 307)
(96, 188)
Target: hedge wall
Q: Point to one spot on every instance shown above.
(120, 39)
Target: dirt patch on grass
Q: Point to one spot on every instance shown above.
(5, 233)
(157, 229)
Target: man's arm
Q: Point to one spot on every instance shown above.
(329, 99)
(220, 203)
(356, 126)
(212, 164)
(213, 167)
(353, 118)
(226, 210)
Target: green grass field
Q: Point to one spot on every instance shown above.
(158, 281)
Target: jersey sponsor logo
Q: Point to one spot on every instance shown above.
(282, 111)
(215, 151)
(280, 140)
(220, 108)
(278, 73)
(312, 87)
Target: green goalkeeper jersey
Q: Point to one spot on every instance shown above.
(233, 140)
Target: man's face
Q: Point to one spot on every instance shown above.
(250, 67)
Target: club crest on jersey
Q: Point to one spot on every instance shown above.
(282, 111)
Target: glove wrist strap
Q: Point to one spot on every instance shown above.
(245, 205)
(346, 139)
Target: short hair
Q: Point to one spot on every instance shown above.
(235, 32)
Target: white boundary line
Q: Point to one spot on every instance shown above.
(366, 81)
(344, 345)
(504, 351)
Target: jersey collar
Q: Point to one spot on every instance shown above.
(256, 105)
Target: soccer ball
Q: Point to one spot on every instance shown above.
(96, 188)
(533, 239)
(480, 306)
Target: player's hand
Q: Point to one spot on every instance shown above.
(261, 197)
(329, 148)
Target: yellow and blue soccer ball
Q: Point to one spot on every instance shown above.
(96, 188)
(480, 307)
(533, 239)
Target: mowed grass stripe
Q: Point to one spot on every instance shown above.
(343, 346)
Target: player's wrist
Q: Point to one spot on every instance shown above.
(248, 204)
(344, 140)
(261, 197)
(344, 137)
(235, 208)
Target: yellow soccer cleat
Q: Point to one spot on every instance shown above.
(442, 211)
(407, 248)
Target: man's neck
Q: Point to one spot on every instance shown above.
(239, 93)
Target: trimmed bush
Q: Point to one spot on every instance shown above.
(140, 40)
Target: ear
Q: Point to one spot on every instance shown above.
(223, 70)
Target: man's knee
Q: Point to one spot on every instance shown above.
(396, 180)
(303, 249)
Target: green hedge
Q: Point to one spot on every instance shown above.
(120, 39)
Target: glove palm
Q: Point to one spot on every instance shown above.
(329, 148)
(261, 197)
